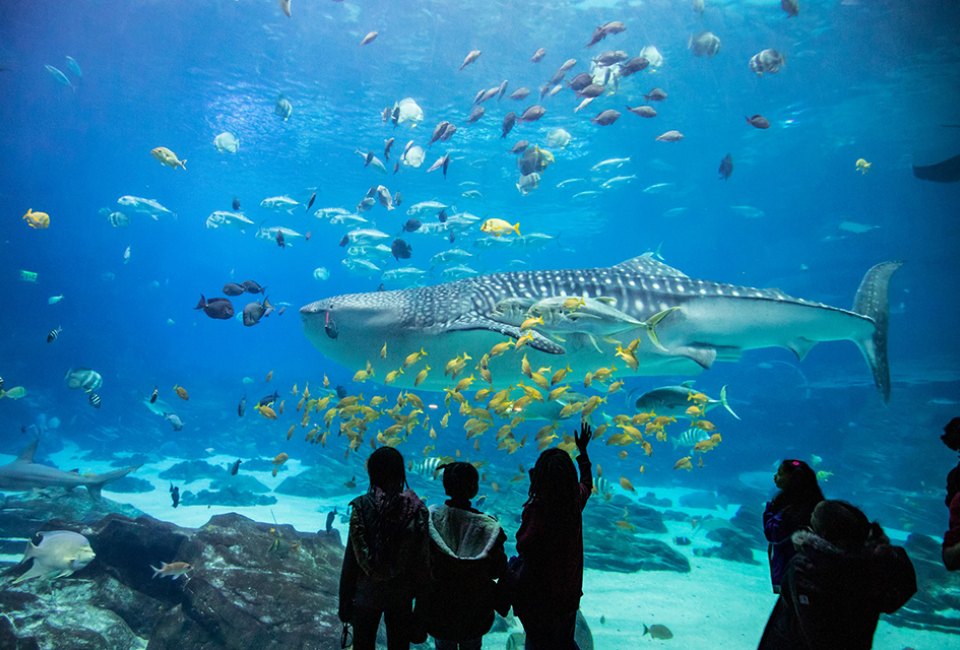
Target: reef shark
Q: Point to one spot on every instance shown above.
(700, 322)
(24, 474)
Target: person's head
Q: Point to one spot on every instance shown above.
(798, 483)
(951, 434)
(841, 524)
(553, 479)
(461, 481)
(386, 471)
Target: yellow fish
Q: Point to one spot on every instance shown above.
(37, 220)
(168, 158)
(269, 376)
(531, 322)
(421, 376)
(413, 357)
(290, 431)
(559, 375)
(683, 463)
(361, 376)
(500, 348)
(383, 351)
(326, 381)
(557, 392)
(392, 376)
(540, 380)
(626, 484)
(266, 412)
(498, 227)
(181, 392)
(523, 340)
(279, 460)
(863, 166)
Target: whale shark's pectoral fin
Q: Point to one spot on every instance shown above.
(538, 341)
(703, 357)
(800, 347)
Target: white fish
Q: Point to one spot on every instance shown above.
(457, 272)
(747, 211)
(408, 111)
(528, 183)
(426, 206)
(413, 155)
(570, 180)
(327, 213)
(405, 275)
(366, 236)
(321, 273)
(360, 265)
(59, 553)
(59, 76)
(452, 255)
(74, 66)
(610, 162)
(126, 255)
(348, 219)
(582, 105)
(652, 54)
(584, 194)
(374, 162)
(381, 251)
(610, 182)
(657, 188)
(52, 300)
(147, 206)
(270, 234)
(223, 218)
(856, 228)
(558, 138)
(226, 141)
(472, 194)
(279, 203)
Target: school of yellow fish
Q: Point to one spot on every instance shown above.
(382, 421)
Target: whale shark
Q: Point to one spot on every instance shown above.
(24, 474)
(698, 322)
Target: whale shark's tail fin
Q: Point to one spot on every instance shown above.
(872, 301)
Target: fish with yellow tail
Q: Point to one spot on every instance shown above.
(266, 411)
(422, 375)
(863, 166)
(37, 220)
(684, 463)
(499, 227)
(167, 157)
(413, 357)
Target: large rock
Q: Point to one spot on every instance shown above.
(600, 515)
(624, 552)
(253, 585)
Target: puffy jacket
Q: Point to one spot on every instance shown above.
(778, 527)
(833, 599)
(466, 557)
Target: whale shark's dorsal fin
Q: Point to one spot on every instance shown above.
(26, 456)
(647, 265)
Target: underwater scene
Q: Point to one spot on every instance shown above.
(246, 242)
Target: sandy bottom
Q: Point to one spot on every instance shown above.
(719, 604)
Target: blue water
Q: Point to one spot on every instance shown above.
(877, 80)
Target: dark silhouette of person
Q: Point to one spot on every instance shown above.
(844, 575)
(386, 560)
(788, 512)
(466, 556)
(549, 579)
(951, 539)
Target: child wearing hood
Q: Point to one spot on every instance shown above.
(386, 560)
(844, 575)
(466, 557)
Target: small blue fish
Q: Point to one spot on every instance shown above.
(58, 75)
(74, 66)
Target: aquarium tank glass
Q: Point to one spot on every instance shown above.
(246, 242)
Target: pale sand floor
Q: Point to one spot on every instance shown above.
(718, 605)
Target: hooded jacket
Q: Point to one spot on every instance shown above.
(831, 598)
(387, 555)
(466, 557)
